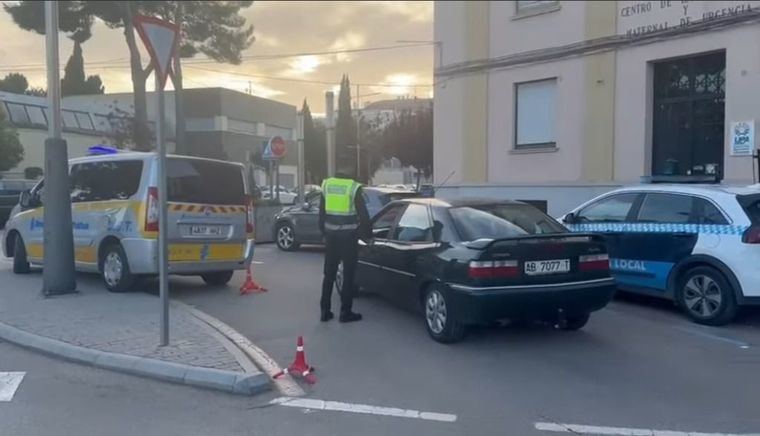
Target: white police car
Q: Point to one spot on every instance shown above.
(696, 244)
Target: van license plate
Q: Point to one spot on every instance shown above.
(538, 267)
(205, 231)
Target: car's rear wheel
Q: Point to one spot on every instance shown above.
(286, 237)
(217, 278)
(707, 297)
(440, 319)
(574, 322)
(115, 270)
(20, 260)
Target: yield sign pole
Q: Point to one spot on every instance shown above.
(160, 39)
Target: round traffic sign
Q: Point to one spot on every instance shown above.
(277, 145)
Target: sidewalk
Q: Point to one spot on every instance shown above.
(121, 331)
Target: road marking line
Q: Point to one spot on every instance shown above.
(337, 406)
(623, 431)
(9, 382)
(704, 334)
(257, 262)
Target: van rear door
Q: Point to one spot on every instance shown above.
(207, 210)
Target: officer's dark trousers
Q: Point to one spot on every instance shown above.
(342, 246)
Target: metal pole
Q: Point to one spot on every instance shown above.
(58, 241)
(358, 134)
(330, 129)
(163, 246)
(301, 159)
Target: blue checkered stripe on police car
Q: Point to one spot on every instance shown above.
(712, 229)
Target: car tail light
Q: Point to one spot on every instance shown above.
(248, 214)
(751, 235)
(151, 212)
(594, 262)
(493, 269)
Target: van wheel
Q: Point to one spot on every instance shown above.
(217, 278)
(20, 261)
(707, 297)
(114, 269)
(440, 319)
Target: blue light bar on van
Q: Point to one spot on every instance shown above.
(96, 150)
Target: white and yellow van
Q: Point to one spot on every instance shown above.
(115, 219)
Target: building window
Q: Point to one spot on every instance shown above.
(36, 116)
(535, 114)
(528, 6)
(689, 116)
(17, 113)
(69, 119)
(84, 120)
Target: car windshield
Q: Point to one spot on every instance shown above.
(205, 182)
(502, 221)
(751, 206)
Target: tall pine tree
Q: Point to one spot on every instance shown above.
(315, 148)
(74, 82)
(345, 129)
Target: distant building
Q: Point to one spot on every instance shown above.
(220, 123)
(380, 113)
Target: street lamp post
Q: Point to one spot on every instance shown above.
(58, 239)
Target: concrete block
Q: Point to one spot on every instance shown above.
(116, 362)
(211, 378)
(161, 370)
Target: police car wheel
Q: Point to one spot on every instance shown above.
(707, 297)
(20, 261)
(440, 320)
(286, 237)
(218, 278)
(115, 270)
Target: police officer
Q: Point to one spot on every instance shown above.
(343, 219)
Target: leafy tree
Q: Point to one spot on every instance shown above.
(122, 126)
(213, 28)
(15, 83)
(11, 151)
(315, 147)
(37, 92)
(345, 128)
(409, 137)
(74, 82)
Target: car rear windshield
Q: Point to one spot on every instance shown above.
(502, 221)
(205, 182)
(751, 206)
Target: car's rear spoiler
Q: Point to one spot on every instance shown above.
(487, 244)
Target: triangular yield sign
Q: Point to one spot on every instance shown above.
(160, 39)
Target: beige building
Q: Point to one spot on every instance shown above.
(562, 100)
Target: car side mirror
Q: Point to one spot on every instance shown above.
(306, 206)
(570, 218)
(437, 231)
(25, 199)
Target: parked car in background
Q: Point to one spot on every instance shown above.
(9, 196)
(286, 196)
(476, 262)
(300, 224)
(696, 245)
(115, 219)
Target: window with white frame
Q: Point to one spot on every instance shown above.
(535, 114)
(527, 6)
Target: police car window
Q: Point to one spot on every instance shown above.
(666, 208)
(707, 213)
(382, 225)
(611, 209)
(107, 180)
(415, 225)
(205, 182)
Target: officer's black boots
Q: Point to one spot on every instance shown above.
(350, 317)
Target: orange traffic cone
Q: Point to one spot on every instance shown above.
(250, 286)
(299, 366)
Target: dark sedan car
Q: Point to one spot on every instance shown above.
(300, 224)
(476, 262)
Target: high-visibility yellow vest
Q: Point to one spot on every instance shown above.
(340, 209)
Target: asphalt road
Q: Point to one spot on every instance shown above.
(637, 365)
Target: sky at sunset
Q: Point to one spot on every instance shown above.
(280, 28)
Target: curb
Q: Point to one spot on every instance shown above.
(209, 378)
(286, 385)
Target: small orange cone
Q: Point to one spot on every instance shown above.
(299, 366)
(250, 286)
